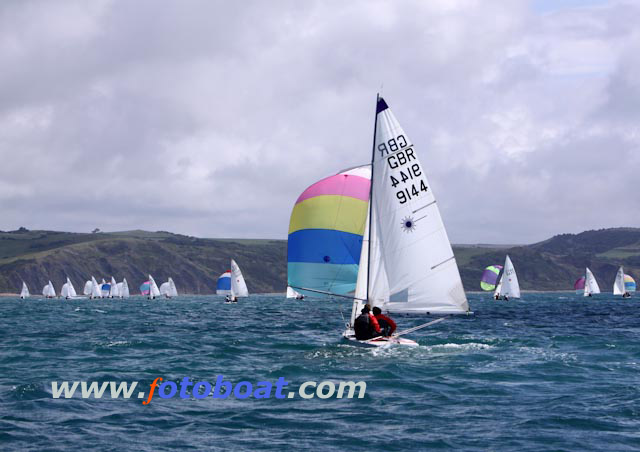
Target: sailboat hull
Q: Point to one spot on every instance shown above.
(377, 342)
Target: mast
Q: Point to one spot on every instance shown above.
(373, 157)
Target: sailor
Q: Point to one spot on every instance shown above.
(626, 295)
(366, 325)
(506, 297)
(386, 323)
(299, 297)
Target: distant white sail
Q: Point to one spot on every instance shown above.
(173, 291)
(590, 284)
(87, 288)
(124, 290)
(238, 286)
(49, 291)
(113, 290)
(618, 285)
(412, 268)
(96, 292)
(153, 288)
(68, 291)
(24, 293)
(510, 287)
(164, 289)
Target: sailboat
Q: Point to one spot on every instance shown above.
(238, 285)
(96, 291)
(153, 289)
(623, 284)
(406, 263)
(49, 291)
(105, 288)
(168, 289)
(508, 287)
(113, 289)
(87, 288)
(24, 293)
(590, 284)
(123, 288)
(68, 291)
(292, 293)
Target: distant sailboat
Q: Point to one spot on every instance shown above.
(24, 293)
(292, 293)
(96, 292)
(105, 289)
(223, 286)
(624, 284)
(68, 291)
(587, 285)
(123, 288)
(238, 285)
(168, 289)
(153, 289)
(406, 261)
(508, 287)
(113, 289)
(49, 291)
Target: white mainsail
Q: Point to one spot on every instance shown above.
(49, 291)
(618, 284)
(173, 291)
(238, 286)
(96, 292)
(113, 290)
(24, 293)
(123, 288)
(87, 288)
(590, 283)
(153, 288)
(411, 266)
(68, 291)
(164, 289)
(510, 287)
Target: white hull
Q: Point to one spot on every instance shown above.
(349, 335)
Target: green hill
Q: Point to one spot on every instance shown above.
(195, 263)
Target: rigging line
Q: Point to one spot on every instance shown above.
(424, 207)
(419, 327)
(443, 262)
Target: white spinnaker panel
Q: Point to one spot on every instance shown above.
(24, 293)
(124, 293)
(291, 292)
(408, 237)
(49, 290)
(591, 285)
(87, 288)
(510, 286)
(153, 288)
(173, 291)
(238, 286)
(164, 288)
(96, 291)
(618, 285)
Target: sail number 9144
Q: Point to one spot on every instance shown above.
(409, 173)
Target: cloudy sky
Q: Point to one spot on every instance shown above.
(209, 118)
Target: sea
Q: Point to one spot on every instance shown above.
(549, 372)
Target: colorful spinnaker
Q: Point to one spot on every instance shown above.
(629, 284)
(325, 233)
(144, 288)
(579, 284)
(489, 278)
(223, 287)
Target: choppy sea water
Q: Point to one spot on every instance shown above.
(550, 372)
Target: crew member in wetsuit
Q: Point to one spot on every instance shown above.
(386, 323)
(366, 325)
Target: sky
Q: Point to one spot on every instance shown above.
(209, 118)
